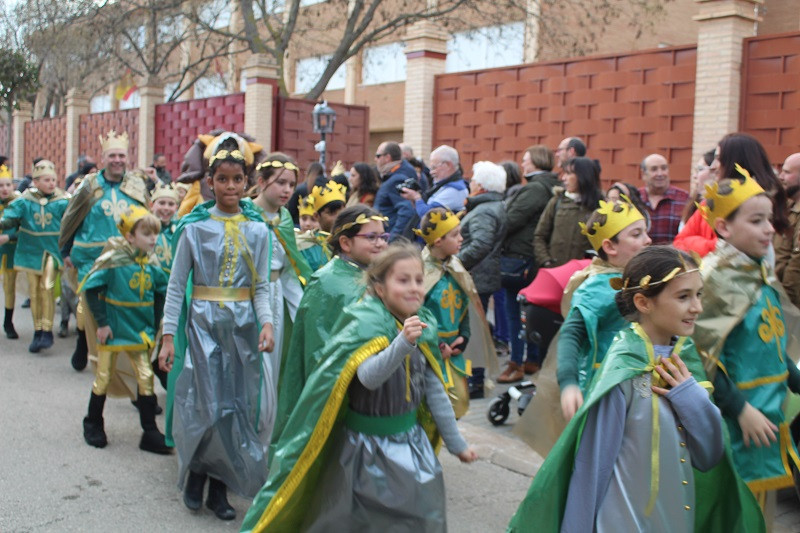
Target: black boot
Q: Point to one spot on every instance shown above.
(45, 340)
(63, 329)
(159, 410)
(8, 325)
(193, 491)
(26, 304)
(93, 430)
(79, 356)
(36, 343)
(160, 374)
(476, 383)
(218, 500)
(152, 438)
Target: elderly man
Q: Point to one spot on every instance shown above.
(569, 148)
(449, 189)
(91, 219)
(664, 203)
(787, 247)
(394, 171)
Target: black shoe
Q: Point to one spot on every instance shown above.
(81, 353)
(63, 330)
(476, 391)
(45, 340)
(36, 343)
(159, 410)
(193, 491)
(160, 374)
(8, 325)
(475, 382)
(26, 304)
(218, 500)
(152, 439)
(93, 431)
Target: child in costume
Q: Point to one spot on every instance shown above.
(311, 242)
(743, 336)
(327, 202)
(355, 455)
(289, 271)
(217, 321)
(634, 455)
(358, 237)
(37, 215)
(8, 245)
(452, 298)
(164, 205)
(124, 291)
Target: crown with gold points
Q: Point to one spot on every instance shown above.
(726, 203)
(5, 173)
(616, 221)
(43, 168)
(163, 190)
(130, 217)
(113, 141)
(330, 192)
(440, 223)
(306, 206)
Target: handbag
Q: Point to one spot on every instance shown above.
(515, 272)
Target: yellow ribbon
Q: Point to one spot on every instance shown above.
(235, 245)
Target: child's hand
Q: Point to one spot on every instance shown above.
(104, 333)
(571, 401)
(266, 341)
(458, 342)
(412, 328)
(4, 239)
(167, 353)
(68, 262)
(673, 371)
(446, 351)
(756, 427)
(468, 455)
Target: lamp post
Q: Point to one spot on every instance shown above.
(323, 118)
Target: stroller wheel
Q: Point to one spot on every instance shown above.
(498, 410)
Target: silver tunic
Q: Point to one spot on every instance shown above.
(224, 399)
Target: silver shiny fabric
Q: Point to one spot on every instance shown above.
(376, 483)
(224, 398)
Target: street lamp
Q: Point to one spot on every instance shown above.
(323, 118)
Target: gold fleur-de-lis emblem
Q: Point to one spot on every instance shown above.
(773, 326)
(114, 208)
(164, 253)
(141, 280)
(451, 300)
(43, 219)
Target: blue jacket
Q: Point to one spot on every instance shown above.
(389, 203)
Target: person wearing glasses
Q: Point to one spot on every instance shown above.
(394, 171)
(664, 202)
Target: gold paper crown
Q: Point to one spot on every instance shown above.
(725, 204)
(130, 217)
(114, 142)
(234, 155)
(5, 173)
(163, 190)
(306, 206)
(616, 221)
(328, 193)
(44, 168)
(440, 224)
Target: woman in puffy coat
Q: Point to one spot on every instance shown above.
(558, 237)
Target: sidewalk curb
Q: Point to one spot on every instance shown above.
(505, 452)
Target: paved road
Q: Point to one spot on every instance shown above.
(50, 479)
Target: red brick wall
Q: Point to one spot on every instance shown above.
(348, 142)
(179, 123)
(771, 93)
(624, 106)
(46, 138)
(95, 124)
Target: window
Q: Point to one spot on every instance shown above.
(210, 86)
(132, 102)
(384, 64)
(216, 13)
(100, 103)
(136, 35)
(309, 71)
(488, 47)
(304, 3)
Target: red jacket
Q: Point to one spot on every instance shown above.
(696, 235)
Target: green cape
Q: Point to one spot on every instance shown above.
(332, 287)
(199, 213)
(723, 501)
(284, 230)
(364, 329)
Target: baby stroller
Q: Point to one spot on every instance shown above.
(540, 304)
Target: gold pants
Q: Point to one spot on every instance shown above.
(10, 287)
(85, 322)
(107, 362)
(43, 302)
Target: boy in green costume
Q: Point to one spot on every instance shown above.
(37, 215)
(8, 245)
(125, 292)
(164, 205)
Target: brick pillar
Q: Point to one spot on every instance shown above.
(151, 93)
(724, 24)
(112, 97)
(22, 116)
(426, 52)
(353, 76)
(261, 88)
(77, 105)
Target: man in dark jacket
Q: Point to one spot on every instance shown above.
(388, 202)
(522, 215)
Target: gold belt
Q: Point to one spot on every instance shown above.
(221, 294)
